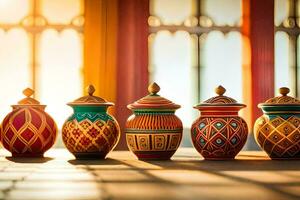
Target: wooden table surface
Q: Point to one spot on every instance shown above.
(251, 176)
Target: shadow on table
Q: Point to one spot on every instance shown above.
(29, 160)
(229, 165)
(220, 169)
(137, 172)
(107, 161)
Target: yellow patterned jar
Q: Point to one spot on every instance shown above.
(277, 132)
(90, 132)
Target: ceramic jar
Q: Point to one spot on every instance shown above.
(277, 131)
(90, 132)
(28, 131)
(219, 133)
(153, 131)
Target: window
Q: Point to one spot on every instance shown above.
(41, 44)
(194, 46)
(287, 45)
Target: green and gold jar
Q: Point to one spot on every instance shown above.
(90, 132)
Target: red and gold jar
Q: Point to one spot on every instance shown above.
(153, 131)
(219, 133)
(28, 131)
(90, 132)
(277, 131)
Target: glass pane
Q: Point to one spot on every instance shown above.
(61, 12)
(13, 11)
(222, 12)
(14, 67)
(298, 13)
(281, 11)
(59, 74)
(172, 12)
(284, 70)
(171, 60)
(221, 64)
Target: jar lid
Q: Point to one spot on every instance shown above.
(28, 100)
(153, 101)
(220, 100)
(90, 99)
(282, 100)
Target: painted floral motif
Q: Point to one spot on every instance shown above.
(90, 137)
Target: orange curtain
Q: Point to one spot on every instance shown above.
(116, 53)
(100, 47)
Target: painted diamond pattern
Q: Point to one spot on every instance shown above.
(282, 138)
(234, 140)
(87, 136)
(219, 142)
(202, 141)
(295, 121)
(285, 143)
(202, 125)
(28, 130)
(218, 125)
(276, 122)
(221, 137)
(275, 137)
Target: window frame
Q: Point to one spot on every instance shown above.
(197, 30)
(291, 26)
(36, 25)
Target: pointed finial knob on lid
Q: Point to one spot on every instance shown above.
(153, 88)
(284, 91)
(90, 89)
(28, 100)
(220, 90)
(28, 92)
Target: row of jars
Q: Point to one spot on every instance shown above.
(154, 131)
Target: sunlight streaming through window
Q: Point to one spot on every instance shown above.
(172, 12)
(283, 69)
(281, 11)
(45, 56)
(172, 63)
(59, 73)
(221, 64)
(218, 11)
(13, 11)
(61, 12)
(14, 67)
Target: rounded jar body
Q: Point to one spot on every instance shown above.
(28, 132)
(219, 137)
(278, 134)
(153, 134)
(90, 132)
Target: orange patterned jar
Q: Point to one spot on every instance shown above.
(90, 132)
(277, 131)
(153, 131)
(28, 131)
